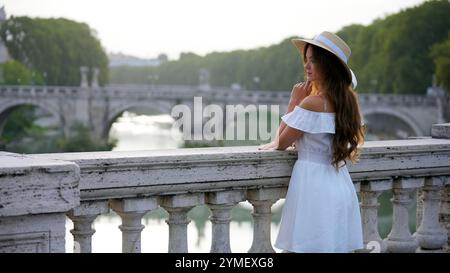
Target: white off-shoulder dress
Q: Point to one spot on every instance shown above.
(321, 211)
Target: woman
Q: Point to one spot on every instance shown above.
(321, 211)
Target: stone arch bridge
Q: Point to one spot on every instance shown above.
(98, 107)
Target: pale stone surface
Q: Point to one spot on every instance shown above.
(444, 216)
(127, 174)
(369, 217)
(230, 175)
(262, 201)
(183, 200)
(133, 204)
(266, 194)
(440, 130)
(370, 191)
(131, 210)
(116, 174)
(41, 233)
(220, 219)
(221, 204)
(178, 207)
(82, 217)
(431, 235)
(33, 186)
(400, 238)
(35, 195)
(91, 208)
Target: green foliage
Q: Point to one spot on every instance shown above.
(277, 67)
(21, 134)
(19, 124)
(56, 48)
(391, 55)
(82, 141)
(132, 74)
(440, 54)
(15, 73)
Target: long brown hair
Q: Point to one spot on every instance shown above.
(349, 132)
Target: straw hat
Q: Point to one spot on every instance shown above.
(331, 42)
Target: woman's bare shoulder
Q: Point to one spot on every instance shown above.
(312, 103)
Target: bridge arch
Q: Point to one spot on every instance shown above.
(399, 115)
(163, 107)
(9, 106)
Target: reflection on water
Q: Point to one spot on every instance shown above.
(140, 132)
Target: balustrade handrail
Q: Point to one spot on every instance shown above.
(136, 182)
(167, 171)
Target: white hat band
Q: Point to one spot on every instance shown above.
(331, 45)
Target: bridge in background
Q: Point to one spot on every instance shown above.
(98, 107)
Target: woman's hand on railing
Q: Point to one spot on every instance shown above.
(293, 147)
(268, 146)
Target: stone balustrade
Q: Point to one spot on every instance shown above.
(215, 93)
(146, 92)
(35, 195)
(390, 99)
(39, 189)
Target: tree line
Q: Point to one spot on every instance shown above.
(398, 54)
(50, 51)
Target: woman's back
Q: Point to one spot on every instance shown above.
(319, 199)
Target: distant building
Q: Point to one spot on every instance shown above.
(4, 56)
(120, 59)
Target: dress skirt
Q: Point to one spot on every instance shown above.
(321, 212)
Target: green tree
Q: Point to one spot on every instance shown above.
(441, 57)
(19, 124)
(82, 141)
(56, 48)
(391, 55)
(15, 73)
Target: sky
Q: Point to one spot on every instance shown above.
(147, 28)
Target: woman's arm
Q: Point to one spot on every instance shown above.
(287, 137)
(299, 92)
(289, 134)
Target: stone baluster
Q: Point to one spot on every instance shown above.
(400, 238)
(131, 210)
(369, 192)
(84, 76)
(262, 201)
(444, 217)
(431, 235)
(419, 207)
(178, 207)
(443, 131)
(95, 74)
(221, 204)
(82, 217)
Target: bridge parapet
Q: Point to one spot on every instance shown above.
(98, 107)
(41, 187)
(398, 100)
(43, 91)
